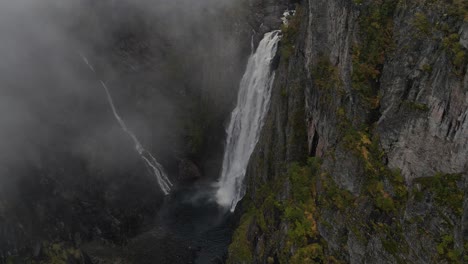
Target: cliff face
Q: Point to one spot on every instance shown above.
(363, 157)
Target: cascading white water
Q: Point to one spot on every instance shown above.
(153, 165)
(247, 121)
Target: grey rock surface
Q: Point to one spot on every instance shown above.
(421, 126)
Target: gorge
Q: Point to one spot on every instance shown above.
(233, 131)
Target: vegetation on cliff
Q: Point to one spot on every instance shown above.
(319, 219)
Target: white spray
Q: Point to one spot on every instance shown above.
(247, 121)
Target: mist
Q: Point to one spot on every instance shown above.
(173, 69)
(48, 96)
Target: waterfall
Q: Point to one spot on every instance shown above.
(247, 121)
(153, 165)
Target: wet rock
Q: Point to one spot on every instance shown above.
(188, 171)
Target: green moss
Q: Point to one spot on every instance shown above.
(418, 196)
(284, 92)
(458, 9)
(385, 204)
(376, 28)
(327, 80)
(444, 188)
(416, 106)
(459, 57)
(51, 253)
(446, 250)
(465, 255)
(390, 246)
(366, 148)
(456, 51)
(240, 250)
(309, 254)
(422, 24)
(332, 196)
(446, 29)
(300, 211)
(427, 68)
(264, 214)
(325, 75)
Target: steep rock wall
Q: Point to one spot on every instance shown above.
(374, 95)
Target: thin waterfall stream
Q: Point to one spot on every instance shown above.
(153, 165)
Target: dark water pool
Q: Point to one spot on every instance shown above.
(190, 228)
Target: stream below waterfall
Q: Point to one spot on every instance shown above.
(190, 227)
(193, 218)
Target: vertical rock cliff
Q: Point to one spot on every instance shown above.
(363, 157)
